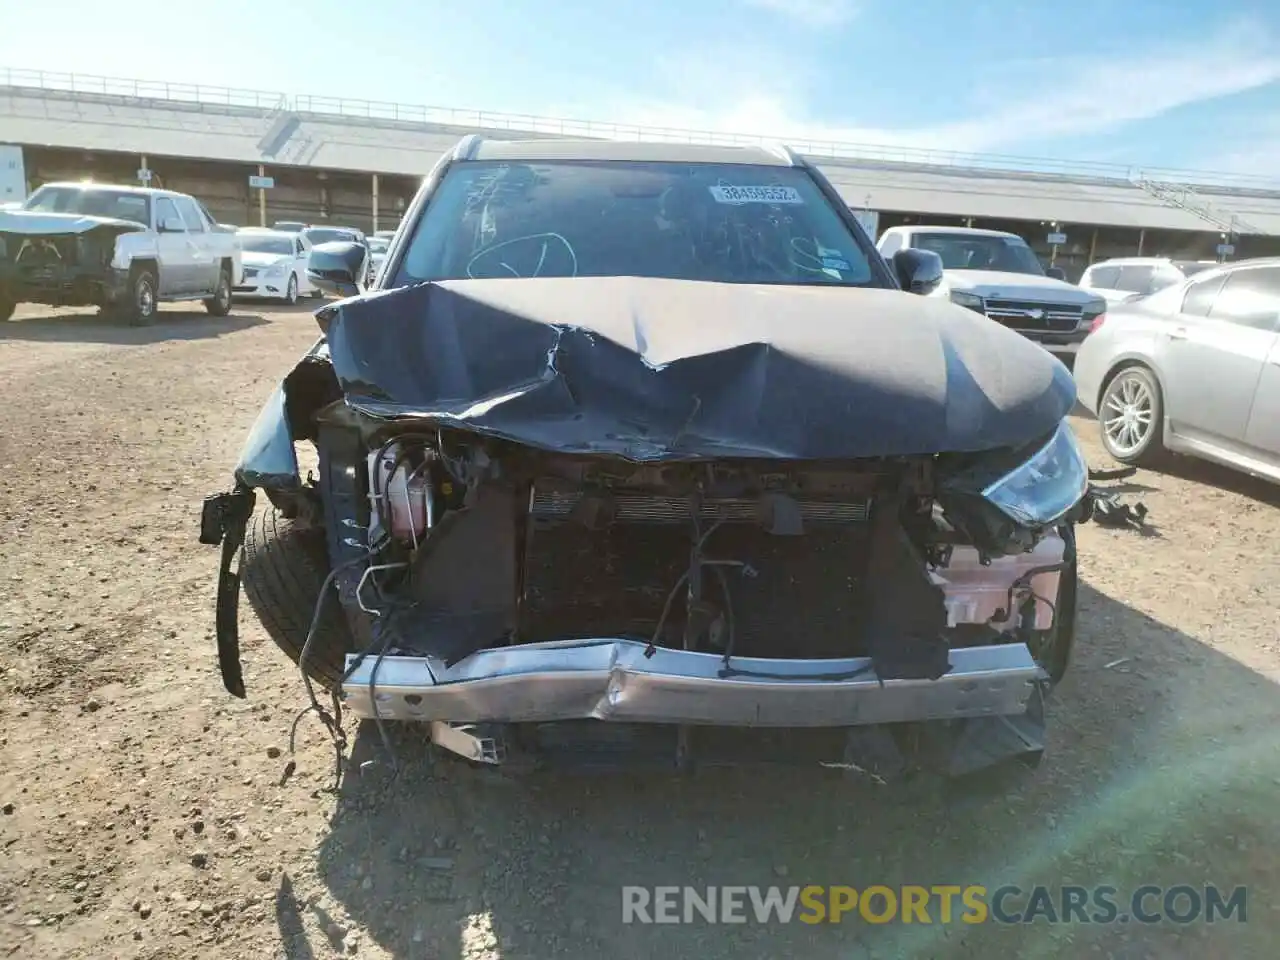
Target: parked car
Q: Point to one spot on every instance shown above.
(1126, 278)
(649, 438)
(289, 226)
(998, 275)
(121, 248)
(1193, 368)
(275, 265)
(384, 234)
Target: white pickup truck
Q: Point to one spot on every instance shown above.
(996, 274)
(123, 249)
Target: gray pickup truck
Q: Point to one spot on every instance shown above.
(123, 249)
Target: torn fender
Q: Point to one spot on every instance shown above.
(268, 459)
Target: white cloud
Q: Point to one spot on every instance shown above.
(818, 14)
(1257, 154)
(1013, 108)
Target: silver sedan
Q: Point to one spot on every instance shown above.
(1194, 368)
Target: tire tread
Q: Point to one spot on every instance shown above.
(285, 565)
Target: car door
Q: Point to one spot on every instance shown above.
(205, 263)
(1211, 355)
(1263, 432)
(177, 263)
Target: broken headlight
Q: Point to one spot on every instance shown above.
(1044, 488)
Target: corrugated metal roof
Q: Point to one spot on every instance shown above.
(1015, 197)
(252, 135)
(42, 118)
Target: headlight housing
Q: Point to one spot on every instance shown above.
(1048, 485)
(277, 270)
(971, 300)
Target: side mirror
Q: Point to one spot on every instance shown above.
(339, 268)
(918, 271)
(172, 225)
(1056, 273)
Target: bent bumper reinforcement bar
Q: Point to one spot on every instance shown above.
(612, 680)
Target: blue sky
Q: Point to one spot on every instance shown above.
(1137, 83)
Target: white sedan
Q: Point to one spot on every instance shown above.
(275, 265)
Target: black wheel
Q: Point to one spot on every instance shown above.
(1131, 416)
(285, 565)
(219, 305)
(1052, 648)
(139, 306)
(7, 307)
(291, 292)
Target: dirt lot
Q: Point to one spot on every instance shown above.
(148, 814)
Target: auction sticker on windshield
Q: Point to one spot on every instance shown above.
(727, 194)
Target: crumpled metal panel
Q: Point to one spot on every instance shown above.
(268, 458)
(612, 679)
(671, 369)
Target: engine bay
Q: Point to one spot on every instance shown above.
(474, 544)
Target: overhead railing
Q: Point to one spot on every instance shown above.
(142, 89)
(492, 120)
(1185, 198)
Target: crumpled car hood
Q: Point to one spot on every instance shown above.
(38, 224)
(650, 369)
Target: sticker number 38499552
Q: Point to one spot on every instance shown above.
(727, 194)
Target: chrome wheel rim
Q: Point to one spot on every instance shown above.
(1128, 414)
(146, 298)
(292, 293)
(224, 292)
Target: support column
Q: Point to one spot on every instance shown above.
(1093, 247)
(375, 203)
(262, 199)
(142, 165)
(1142, 237)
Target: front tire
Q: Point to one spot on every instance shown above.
(219, 305)
(291, 293)
(1131, 416)
(138, 309)
(7, 306)
(285, 566)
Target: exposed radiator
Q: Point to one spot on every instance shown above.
(552, 505)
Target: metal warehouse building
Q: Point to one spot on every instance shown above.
(359, 163)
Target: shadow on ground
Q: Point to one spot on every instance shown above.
(170, 325)
(1161, 769)
(1192, 469)
(1220, 477)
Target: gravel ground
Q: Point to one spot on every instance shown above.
(148, 814)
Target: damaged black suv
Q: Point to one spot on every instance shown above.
(641, 449)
